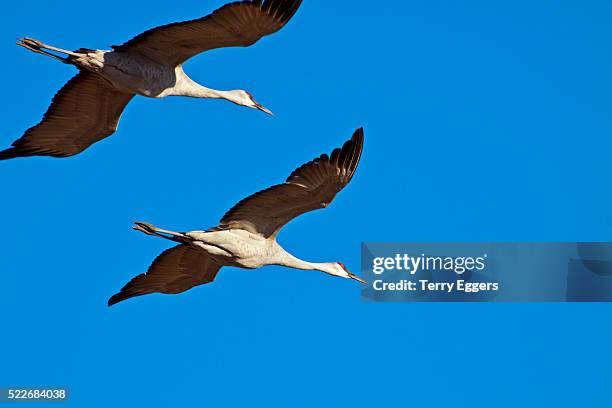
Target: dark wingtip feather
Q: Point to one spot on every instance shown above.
(358, 133)
(358, 138)
(124, 295)
(357, 146)
(354, 145)
(282, 10)
(350, 151)
(135, 287)
(12, 153)
(119, 297)
(22, 151)
(348, 157)
(8, 154)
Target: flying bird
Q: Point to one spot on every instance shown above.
(88, 108)
(246, 236)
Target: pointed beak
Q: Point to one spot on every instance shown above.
(264, 109)
(357, 278)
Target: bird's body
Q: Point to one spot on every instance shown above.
(132, 73)
(237, 248)
(135, 74)
(246, 236)
(88, 108)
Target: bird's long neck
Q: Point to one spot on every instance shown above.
(185, 86)
(198, 91)
(291, 261)
(195, 90)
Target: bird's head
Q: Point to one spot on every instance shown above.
(244, 98)
(338, 269)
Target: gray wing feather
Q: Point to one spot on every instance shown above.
(86, 110)
(176, 270)
(238, 24)
(310, 187)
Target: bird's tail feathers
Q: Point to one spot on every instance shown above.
(149, 229)
(44, 49)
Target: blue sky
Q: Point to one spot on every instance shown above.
(484, 121)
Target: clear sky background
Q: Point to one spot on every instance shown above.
(484, 121)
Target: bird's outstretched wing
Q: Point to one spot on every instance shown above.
(86, 110)
(241, 23)
(310, 187)
(176, 270)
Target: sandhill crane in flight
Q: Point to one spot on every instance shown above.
(246, 236)
(88, 108)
